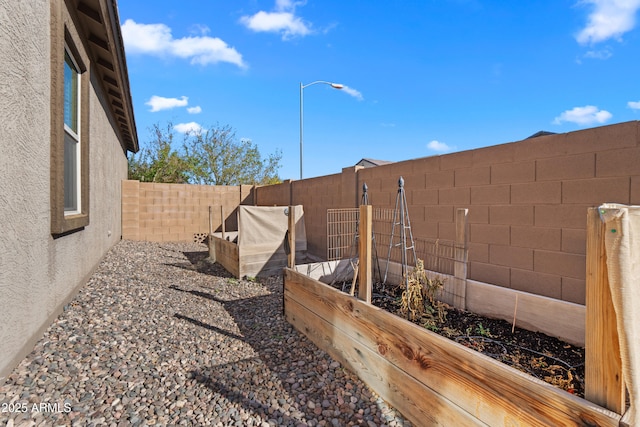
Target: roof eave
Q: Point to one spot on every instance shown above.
(101, 24)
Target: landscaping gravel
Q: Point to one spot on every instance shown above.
(161, 336)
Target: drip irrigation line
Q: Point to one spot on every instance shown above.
(520, 367)
(481, 338)
(502, 343)
(383, 296)
(569, 366)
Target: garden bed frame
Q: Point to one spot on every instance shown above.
(434, 381)
(249, 261)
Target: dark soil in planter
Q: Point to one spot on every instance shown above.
(542, 356)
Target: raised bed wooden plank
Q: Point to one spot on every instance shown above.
(241, 262)
(603, 379)
(264, 264)
(227, 255)
(326, 306)
(409, 396)
(327, 271)
(494, 393)
(365, 267)
(554, 317)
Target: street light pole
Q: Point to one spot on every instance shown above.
(333, 85)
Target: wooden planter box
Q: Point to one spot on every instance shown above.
(241, 262)
(226, 253)
(431, 380)
(257, 248)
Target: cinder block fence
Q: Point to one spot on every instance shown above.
(527, 203)
(178, 212)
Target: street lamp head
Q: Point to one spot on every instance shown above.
(333, 85)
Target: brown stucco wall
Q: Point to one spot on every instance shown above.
(39, 274)
(527, 202)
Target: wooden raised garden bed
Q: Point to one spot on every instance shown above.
(257, 248)
(431, 380)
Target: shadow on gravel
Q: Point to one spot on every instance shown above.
(195, 257)
(288, 373)
(290, 381)
(266, 402)
(207, 326)
(199, 261)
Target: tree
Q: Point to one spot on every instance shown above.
(158, 162)
(218, 158)
(211, 157)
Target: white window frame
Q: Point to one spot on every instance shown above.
(75, 136)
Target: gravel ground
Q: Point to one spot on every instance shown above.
(160, 336)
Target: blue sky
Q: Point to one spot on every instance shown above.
(421, 77)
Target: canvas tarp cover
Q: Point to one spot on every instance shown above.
(622, 245)
(263, 228)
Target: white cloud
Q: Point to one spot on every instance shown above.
(351, 91)
(283, 21)
(599, 54)
(159, 103)
(277, 22)
(438, 147)
(287, 4)
(191, 127)
(608, 19)
(194, 110)
(634, 105)
(157, 40)
(200, 29)
(586, 115)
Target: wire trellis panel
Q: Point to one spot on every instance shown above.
(439, 256)
(342, 226)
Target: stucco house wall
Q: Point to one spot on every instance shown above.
(40, 270)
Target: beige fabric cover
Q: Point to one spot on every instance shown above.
(263, 228)
(622, 244)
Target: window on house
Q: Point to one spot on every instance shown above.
(70, 92)
(72, 195)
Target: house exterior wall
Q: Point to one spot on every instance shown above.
(40, 273)
(527, 202)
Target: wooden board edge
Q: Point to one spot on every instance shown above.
(506, 382)
(419, 404)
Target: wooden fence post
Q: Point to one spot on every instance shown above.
(222, 221)
(460, 262)
(604, 383)
(291, 258)
(212, 245)
(364, 251)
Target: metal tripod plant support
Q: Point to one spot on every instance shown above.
(401, 219)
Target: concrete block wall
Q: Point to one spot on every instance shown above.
(178, 212)
(316, 195)
(274, 195)
(527, 202)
